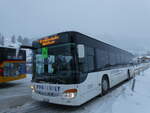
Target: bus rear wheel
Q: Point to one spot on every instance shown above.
(105, 85)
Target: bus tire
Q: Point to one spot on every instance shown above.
(129, 74)
(105, 85)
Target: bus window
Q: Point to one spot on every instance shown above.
(90, 63)
(39, 64)
(51, 60)
(6, 68)
(101, 58)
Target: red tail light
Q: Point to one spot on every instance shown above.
(1, 72)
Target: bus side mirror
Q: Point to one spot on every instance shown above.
(81, 51)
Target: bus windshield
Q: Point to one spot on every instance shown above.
(56, 65)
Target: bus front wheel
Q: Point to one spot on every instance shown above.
(105, 85)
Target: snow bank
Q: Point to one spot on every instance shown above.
(137, 101)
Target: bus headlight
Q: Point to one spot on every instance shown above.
(33, 88)
(70, 94)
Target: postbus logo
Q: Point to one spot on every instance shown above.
(48, 40)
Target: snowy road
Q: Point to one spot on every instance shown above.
(15, 93)
(15, 97)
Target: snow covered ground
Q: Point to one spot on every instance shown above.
(15, 93)
(137, 101)
(16, 98)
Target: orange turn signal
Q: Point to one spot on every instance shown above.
(71, 91)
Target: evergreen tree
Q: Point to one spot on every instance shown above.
(25, 41)
(13, 39)
(2, 40)
(20, 39)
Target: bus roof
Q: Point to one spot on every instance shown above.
(11, 47)
(88, 39)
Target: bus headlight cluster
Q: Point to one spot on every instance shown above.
(33, 88)
(70, 94)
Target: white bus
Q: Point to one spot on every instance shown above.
(71, 68)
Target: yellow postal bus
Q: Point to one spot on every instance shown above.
(12, 64)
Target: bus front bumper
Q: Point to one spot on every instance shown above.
(57, 100)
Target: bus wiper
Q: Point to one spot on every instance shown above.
(51, 79)
(54, 79)
(60, 80)
(41, 80)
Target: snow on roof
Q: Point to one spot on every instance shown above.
(147, 56)
(10, 45)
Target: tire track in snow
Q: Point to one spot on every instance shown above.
(98, 104)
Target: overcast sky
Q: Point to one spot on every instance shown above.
(124, 23)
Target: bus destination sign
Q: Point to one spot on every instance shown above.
(49, 40)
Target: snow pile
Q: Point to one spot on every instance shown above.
(137, 101)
